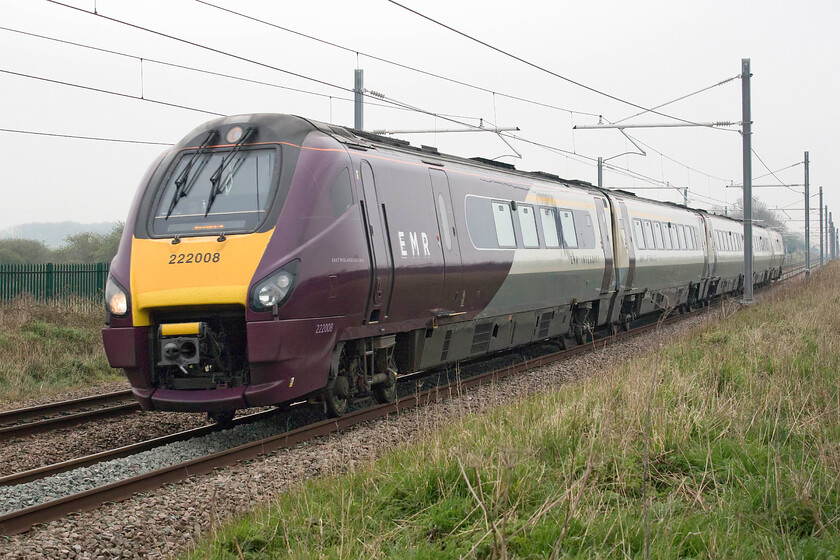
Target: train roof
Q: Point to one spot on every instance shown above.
(363, 139)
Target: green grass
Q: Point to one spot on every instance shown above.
(48, 348)
(738, 422)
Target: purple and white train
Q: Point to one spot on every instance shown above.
(270, 258)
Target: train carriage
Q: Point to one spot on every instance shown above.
(270, 258)
(762, 255)
(668, 262)
(777, 245)
(725, 241)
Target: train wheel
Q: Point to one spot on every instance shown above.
(335, 396)
(223, 419)
(387, 391)
(583, 334)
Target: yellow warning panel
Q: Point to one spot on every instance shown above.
(180, 329)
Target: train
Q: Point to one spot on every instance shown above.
(269, 259)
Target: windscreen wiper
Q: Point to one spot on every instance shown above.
(215, 179)
(183, 177)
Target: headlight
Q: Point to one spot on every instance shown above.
(274, 289)
(116, 297)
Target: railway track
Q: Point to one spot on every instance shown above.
(22, 520)
(37, 419)
(64, 466)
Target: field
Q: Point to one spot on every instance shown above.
(722, 444)
(50, 348)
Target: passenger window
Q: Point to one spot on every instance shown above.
(657, 235)
(681, 236)
(675, 242)
(504, 225)
(549, 224)
(648, 235)
(638, 234)
(666, 237)
(567, 225)
(528, 224)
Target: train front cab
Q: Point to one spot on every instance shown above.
(233, 316)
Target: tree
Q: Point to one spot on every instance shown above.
(761, 215)
(110, 243)
(90, 247)
(765, 217)
(24, 251)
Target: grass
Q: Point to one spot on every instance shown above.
(49, 348)
(726, 440)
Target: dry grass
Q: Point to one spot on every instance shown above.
(736, 424)
(47, 348)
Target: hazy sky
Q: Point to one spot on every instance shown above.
(646, 52)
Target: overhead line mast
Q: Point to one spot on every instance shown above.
(746, 137)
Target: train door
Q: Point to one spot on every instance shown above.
(608, 284)
(631, 246)
(381, 260)
(452, 297)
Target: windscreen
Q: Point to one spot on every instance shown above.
(237, 189)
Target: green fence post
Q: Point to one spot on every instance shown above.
(49, 282)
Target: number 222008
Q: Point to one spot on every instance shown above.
(193, 258)
(324, 328)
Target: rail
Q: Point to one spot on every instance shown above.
(37, 419)
(22, 520)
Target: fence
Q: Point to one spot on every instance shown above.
(50, 281)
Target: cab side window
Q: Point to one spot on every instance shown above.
(341, 193)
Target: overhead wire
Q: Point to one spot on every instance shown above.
(537, 66)
(771, 172)
(394, 63)
(199, 70)
(109, 92)
(798, 163)
(200, 46)
(246, 59)
(554, 149)
(79, 137)
(709, 175)
(681, 98)
(99, 90)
